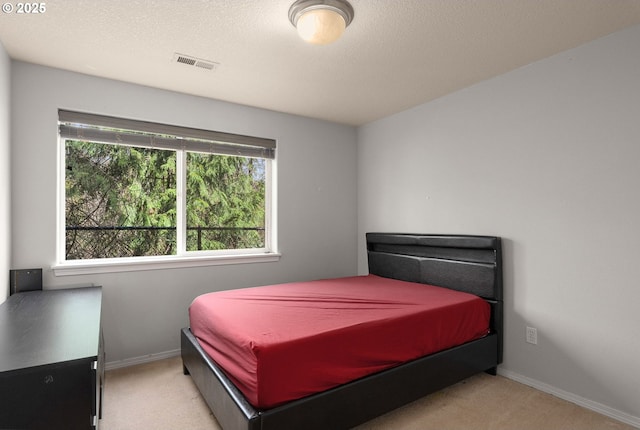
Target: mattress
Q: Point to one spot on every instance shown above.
(283, 342)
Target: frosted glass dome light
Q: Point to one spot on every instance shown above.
(320, 22)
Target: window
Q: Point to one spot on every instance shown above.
(134, 190)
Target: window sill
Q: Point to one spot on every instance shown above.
(114, 265)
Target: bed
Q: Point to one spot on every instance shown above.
(465, 263)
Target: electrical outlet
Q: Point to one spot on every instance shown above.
(532, 335)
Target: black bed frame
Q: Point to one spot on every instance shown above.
(461, 262)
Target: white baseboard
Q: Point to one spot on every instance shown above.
(573, 398)
(141, 360)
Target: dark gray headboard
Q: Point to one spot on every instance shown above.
(472, 264)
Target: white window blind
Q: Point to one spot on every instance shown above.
(121, 131)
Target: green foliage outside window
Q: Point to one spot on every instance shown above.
(120, 201)
(226, 196)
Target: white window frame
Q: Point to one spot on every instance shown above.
(183, 258)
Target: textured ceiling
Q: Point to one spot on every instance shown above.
(395, 55)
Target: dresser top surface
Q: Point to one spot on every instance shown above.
(39, 328)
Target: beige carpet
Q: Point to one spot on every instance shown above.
(158, 396)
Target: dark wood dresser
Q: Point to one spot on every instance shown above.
(51, 359)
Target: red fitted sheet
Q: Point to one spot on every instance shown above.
(283, 342)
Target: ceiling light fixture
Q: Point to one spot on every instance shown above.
(320, 21)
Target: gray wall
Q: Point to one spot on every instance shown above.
(547, 157)
(144, 311)
(5, 136)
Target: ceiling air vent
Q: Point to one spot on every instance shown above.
(196, 62)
